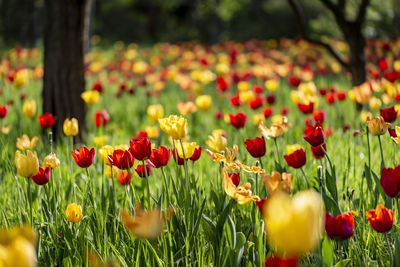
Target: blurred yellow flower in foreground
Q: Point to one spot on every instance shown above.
(29, 109)
(377, 125)
(27, 165)
(175, 126)
(242, 193)
(25, 143)
(17, 247)
(155, 112)
(294, 225)
(51, 161)
(90, 97)
(188, 149)
(71, 127)
(73, 213)
(146, 225)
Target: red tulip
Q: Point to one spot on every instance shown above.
(392, 133)
(318, 152)
(123, 160)
(390, 181)
(306, 109)
(330, 98)
(341, 95)
(238, 120)
(277, 261)
(197, 153)
(101, 118)
(176, 155)
(284, 111)
(256, 102)
(383, 65)
(315, 135)
(389, 114)
(260, 204)
(271, 99)
(297, 159)
(339, 227)
(381, 218)
(123, 177)
(268, 112)
(3, 111)
(97, 86)
(235, 177)
(295, 82)
(42, 176)
(218, 115)
(141, 134)
(140, 148)
(319, 115)
(222, 85)
(159, 157)
(235, 101)
(140, 170)
(256, 147)
(83, 156)
(47, 120)
(257, 89)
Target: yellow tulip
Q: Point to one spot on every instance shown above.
(27, 165)
(110, 173)
(258, 118)
(377, 125)
(397, 138)
(294, 225)
(17, 247)
(216, 142)
(175, 126)
(204, 102)
(90, 97)
(51, 161)
(21, 78)
(188, 149)
(375, 103)
(25, 143)
(152, 132)
(155, 112)
(104, 152)
(100, 140)
(271, 85)
(71, 127)
(243, 86)
(29, 109)
(364, 115)
(73, 213)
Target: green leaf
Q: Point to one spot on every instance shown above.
(331, 184)
(343, 263)
(327, 252)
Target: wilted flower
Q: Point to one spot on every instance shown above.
(216, 142)
(146, 225)
(242, 194)
(377, 125)
(24, 143)
(277, 182)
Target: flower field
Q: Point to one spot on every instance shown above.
(236, 154)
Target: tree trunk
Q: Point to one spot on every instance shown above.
(64, 68)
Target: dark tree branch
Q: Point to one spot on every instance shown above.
(362, 11)
(342, 4)
(301, 22)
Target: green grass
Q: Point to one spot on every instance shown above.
(209, 228)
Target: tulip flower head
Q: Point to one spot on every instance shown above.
(51, 161)
(159, 157)
(73, 213)
(294, 225)
(377, 125)
(174, 126)
(27, 165)
(140, 170)
(83, 156)
(188, 149)
(140, 148)
(47, 120)
(146, 225)
(339, 227)
(204, 102)
(90, 97)
(122, 159)
(315, 135)
(155, 112)
(390, 181)
(3, 111)
(389, 114)
(242, 194)
(256, 147)
(101, 118)
(25, 143)
(216, 142)
(71, 127)
(381, 218)
(239, 120)
(295, 157)
(42, 176)
(196, 154)
(278, 182)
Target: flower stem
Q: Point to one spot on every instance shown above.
(305, 177)
(277, 151)
(147, 183)
(380, 147)
(186, 168)
(30, 200)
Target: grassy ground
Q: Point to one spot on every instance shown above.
(209, 228)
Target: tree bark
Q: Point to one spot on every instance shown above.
(64, 67)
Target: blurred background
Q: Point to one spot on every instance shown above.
(208, 21)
